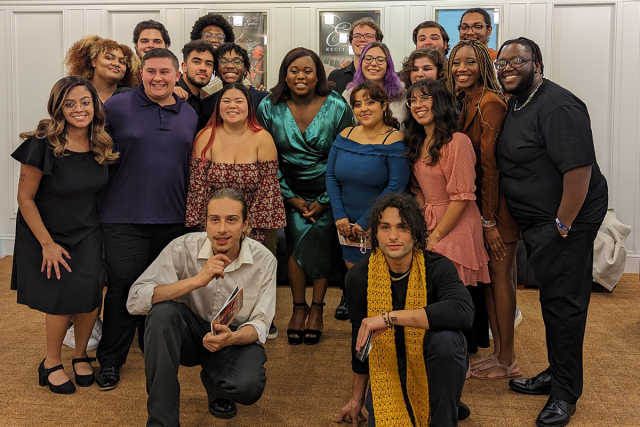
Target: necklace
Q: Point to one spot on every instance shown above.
(395, 279)
(515, 108)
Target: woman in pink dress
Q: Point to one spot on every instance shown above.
(443, 180)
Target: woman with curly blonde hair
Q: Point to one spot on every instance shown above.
(58, 245)
(111, 67)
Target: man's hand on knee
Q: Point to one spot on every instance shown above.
(222, 338)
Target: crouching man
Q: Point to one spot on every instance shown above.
(414, 304)
(183, 289)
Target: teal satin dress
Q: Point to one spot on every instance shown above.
(302, 160)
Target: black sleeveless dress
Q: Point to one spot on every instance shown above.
(67, 200)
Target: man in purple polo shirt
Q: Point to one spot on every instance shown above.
(144, 207)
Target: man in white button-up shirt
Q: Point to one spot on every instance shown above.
(183, 290)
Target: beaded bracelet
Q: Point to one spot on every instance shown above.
(487, 224)
(385, 317)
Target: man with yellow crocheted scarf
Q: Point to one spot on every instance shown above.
(414, 304)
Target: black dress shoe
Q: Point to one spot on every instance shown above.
(463, 412)
(43, 380)
(556, 413)
(538, 385)
(108, 378)
(219, 408)
(342, 311)
(83, 380)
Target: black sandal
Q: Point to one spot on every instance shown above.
(298, 332)
(315, 339)
(83, 380)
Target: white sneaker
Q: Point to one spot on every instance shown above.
(70, 338)
(96, 335)
(516, 322)
(518, 317)
(94, 339)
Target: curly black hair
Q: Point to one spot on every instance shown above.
(151, 25)
(215, 20)
(199, 46)
(231, 47)
(409, 212)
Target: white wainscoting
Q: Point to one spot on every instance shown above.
(590, 47)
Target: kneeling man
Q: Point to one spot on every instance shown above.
(414, 304)
(183, 290)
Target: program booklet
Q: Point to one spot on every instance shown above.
(366, 348)
(229, 310)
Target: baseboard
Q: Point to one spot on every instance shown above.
(633, 263)
(6, 244)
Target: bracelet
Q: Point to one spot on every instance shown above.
(559, 224)
(385, 317)
(488, 229)
(487, 224)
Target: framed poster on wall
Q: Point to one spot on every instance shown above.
(334, 35)
(450, 20)
(250, 29)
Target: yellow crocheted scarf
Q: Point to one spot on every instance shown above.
(388, 401)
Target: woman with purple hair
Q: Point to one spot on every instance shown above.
(376, 66)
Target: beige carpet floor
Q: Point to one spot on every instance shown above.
(308, 384)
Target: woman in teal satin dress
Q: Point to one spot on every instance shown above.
(304, 116)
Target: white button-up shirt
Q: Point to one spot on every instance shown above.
(254, 270)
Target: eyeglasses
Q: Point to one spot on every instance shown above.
(368, 59)
(235, 61)
(476, 28)
(367, 36)
(516, 62)
(209, 36)
(71, 106)
(421, 100)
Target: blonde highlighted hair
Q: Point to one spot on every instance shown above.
(82, 53)
(54, 128)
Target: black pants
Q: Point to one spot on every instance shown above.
(445, 356)
(173, 337)
(129, 249)
(563, 268)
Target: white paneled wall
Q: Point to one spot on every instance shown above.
(590, 47)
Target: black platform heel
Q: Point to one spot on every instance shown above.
(83, 380)
(298, 332)
(43, 379)
(315, 339)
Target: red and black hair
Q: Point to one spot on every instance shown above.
(216, 120)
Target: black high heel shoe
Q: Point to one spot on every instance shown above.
(43, 379)
(84, 380)
(298, 332)
(315, 339)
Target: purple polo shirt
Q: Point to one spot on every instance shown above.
(149, 183)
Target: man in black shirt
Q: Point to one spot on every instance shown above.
(197, 68)
(556, 194)
(415, 345)
(362, 32)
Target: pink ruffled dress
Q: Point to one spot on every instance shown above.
(453, 178)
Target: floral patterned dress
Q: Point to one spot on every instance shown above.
(257, 181)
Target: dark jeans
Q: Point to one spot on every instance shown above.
(563, 268)
(129, 249)
(173, 337)
(445, 355)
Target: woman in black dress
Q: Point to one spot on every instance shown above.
(58, 245)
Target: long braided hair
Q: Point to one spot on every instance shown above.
(487, 76)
